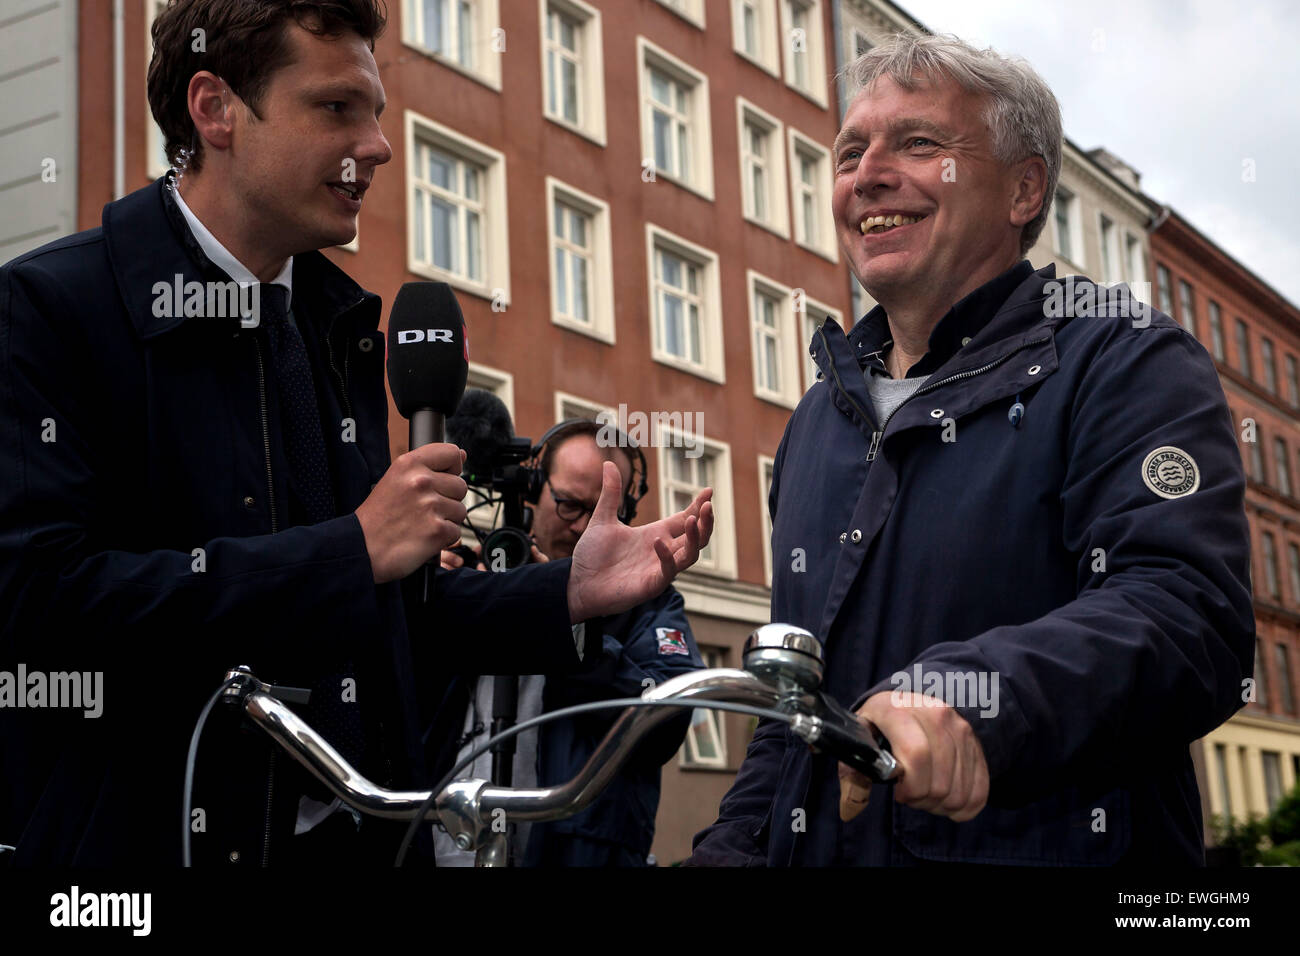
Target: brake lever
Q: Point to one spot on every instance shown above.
(855, 741)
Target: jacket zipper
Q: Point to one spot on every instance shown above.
(341, 379)
(270, 488)
(270, 789)
(266, 432)
(970, 373)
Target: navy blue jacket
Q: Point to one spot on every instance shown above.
(618, 828)
(1117, 620)
(132, 439)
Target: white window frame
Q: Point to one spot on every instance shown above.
(486, 68)
(814, 316)
(1134, 259)
(700, 180)
(692, 11)
(1074, 221)
(1112, 271)
(814, 50)
(777, 201)
(688, 757)
(591, 72)
(711, 346)
(765, 464)
(824, 242)
(786, 334)
(601, 271)
(566, 404)
(495, 221)
(768, 55)
(722, 559)
(501, 384)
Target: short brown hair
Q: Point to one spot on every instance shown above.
(591, 428)
(244, 42)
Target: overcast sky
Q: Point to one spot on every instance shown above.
(1182, 90)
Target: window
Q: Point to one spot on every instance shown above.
(772, 321)
(1137, 262)
(766, 468)
(762, 168)
(457, 215)
(1243, 349)
(1066, 226)
(1164, 290)
(754, 34)
(675, 137)
(1110, 273)
(1216, 332)
(1256, 461)
(1270, 366)
(1272, 778)
(1270, 566)
(706, 744)
(1261, 675)
(1282, 463)
(810, 194)
(1221, 761)
(1293, 555)
(573, 70)
(1186, 306)
(582, 292)
(462, 34)
(1282, 665)
(686, 465)
(815, 315)
(805, 48)
(685, 304)
(1292, 382)
(692, 11)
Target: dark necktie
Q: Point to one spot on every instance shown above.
(337, 719)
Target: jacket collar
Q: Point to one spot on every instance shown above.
(1007, 310)
(149, 242)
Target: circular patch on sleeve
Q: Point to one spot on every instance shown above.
(1170, 472)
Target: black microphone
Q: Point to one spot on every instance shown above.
(428, 358)
(428, 362)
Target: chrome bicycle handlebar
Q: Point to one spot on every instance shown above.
(783, 673)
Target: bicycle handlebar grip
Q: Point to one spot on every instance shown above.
(856, 742)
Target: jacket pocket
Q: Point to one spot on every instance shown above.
(1067, 828)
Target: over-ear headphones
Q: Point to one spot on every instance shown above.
(570, 427)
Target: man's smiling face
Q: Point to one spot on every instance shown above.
(926, 157)
(319, 128)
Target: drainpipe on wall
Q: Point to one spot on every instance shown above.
(119, 101)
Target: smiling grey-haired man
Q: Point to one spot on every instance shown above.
(1026, 551)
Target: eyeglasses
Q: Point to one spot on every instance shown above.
(569, 509)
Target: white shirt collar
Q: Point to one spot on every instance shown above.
(222, 258)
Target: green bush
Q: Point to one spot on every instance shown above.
(1242, 837)
(1284, 821)
(1284, 854)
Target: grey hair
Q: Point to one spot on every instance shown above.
(1022, 114)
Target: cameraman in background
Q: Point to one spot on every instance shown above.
(641, 648)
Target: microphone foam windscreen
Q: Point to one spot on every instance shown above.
(428, 356)
(481, 426)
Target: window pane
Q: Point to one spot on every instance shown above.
(663, 152)
(473, 240)
(670, 270)
(471, 183)
(660, 90)
(435, 29)
(580, 288)
(562, 282)
(578, 228)
(558, 216)
(569, 74)
(770, 359)
(444, 228)
(552, 91)
(420, 246)
(695, 332)
(464, 32)
(760, 193)
(440, 169)
(673, 325)
(568, 39)
(683, 151)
